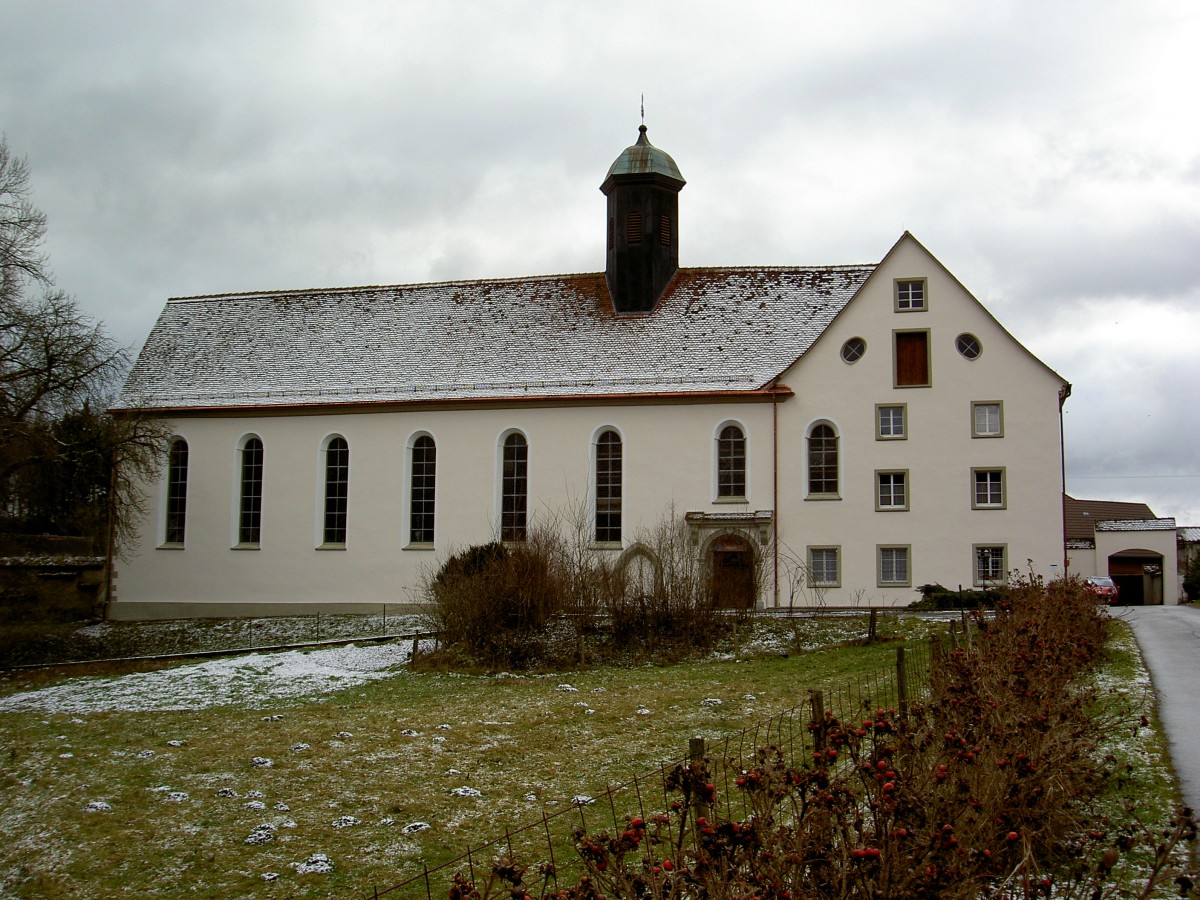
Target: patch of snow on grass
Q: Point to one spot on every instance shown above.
(262, 834)
(247, 680)
(318, 864)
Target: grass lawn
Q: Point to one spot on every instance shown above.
(143, 800)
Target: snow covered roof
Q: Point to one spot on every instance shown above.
(715, 330)
(1137, 525)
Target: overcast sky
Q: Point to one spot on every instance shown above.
(1048, 153)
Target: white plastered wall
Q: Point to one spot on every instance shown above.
(668, 460)
(940, 526)
(1160, 542)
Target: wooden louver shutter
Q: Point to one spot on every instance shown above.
(912, 357)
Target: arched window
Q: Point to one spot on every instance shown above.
(823, 461)
(250, 504)
(337, 491)
(731, 462)
(177, 475)
(423, 475)
(608, 488)
(514, 490)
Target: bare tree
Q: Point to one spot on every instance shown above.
(22, 227)
(58, 370)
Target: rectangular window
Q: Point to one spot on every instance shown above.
(990, 564)
(912, 358)
(823, 568)
(890, 422)
(987, 419)
(891, 490)
(989, 488)
(910, 295)
(893, 567)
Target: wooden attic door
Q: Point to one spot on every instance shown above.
(912, 358)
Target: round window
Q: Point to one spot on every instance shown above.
(968, 345)
(853, 350)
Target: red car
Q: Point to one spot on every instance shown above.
(1103, 587)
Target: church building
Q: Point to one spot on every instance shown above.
(850, 432)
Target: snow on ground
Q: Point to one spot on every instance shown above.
(254, 679)
(250, 680)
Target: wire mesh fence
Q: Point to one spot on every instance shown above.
(548, 846)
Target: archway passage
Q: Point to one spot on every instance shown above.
(733, 582)
(1138, 577)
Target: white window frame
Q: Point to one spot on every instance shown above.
(1001, 569)
(1000, 479)
(836, 550)
(880, 551)
(168, 493)
(890, 475)
(322, 493)
(905, 300)
(976, 407)
(593, 491)
(836, 494)
(743, 497)
(407, 506)
(499, 481)
(239, 463)
(902, 435)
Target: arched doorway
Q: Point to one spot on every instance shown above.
(731, 560)
(1138, 576)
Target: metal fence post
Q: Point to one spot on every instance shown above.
(901, 681)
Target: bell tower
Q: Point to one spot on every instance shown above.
(642, 187)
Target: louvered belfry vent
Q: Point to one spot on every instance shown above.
(633, 227)
(642, 188)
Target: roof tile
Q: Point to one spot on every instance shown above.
(726, 329)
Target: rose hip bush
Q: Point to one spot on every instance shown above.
(987, 787)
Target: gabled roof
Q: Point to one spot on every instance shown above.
(716, 330)
(1080, 517)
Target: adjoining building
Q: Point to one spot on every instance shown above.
(848, 431)
(1126, 541)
